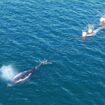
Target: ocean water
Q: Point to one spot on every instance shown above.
(33, 30)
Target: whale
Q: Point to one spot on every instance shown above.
(22, 76)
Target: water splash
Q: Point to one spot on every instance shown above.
(7, 72)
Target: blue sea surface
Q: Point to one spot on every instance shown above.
(33, 30)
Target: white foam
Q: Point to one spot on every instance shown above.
(7, 72)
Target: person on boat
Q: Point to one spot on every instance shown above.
(102, 21)
(90, 31)
(85, 34)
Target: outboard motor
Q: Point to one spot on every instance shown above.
(84, 35)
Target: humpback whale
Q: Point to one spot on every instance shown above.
(22, 76)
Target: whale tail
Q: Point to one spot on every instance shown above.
(45, 62)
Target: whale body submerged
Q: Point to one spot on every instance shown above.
(25, 74)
